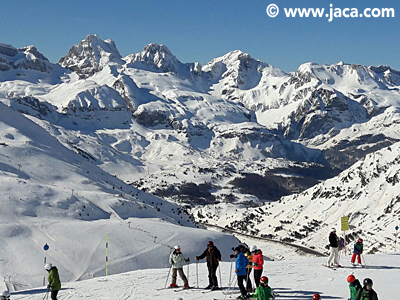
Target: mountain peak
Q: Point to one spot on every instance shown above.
(91, 55)
(154, 48)
(159, 57)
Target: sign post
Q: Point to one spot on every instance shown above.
(45, 248)
(345, 227)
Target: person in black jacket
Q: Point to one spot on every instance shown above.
(333, 244)
(213, 257)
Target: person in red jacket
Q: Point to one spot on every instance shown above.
(258, 263)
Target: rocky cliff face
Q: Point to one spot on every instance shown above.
(90, 56)
(27, 58)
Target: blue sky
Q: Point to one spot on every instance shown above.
(202, 30)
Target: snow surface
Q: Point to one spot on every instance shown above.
(293, 280)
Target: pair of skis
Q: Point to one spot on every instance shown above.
(335, 268)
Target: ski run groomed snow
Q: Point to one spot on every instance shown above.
(296, 279)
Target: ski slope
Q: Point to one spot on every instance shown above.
(295, 279)
(51, 194)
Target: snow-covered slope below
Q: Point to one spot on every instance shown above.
(292, 280)
(52, 194)
(367, 192)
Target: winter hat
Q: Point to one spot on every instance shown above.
(253, 248)
(237, 249)
(176, 247)
(48, 266)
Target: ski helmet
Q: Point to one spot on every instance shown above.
(316, 297)
(253, 248)
(360, 240)
(368, 281)
(264, 279)
(210, 244)
(351, 278)
(333, 230)
(176, 247)
(48, 266)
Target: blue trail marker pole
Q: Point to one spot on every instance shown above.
(45, 248)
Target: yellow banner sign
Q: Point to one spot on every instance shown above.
(345, 223)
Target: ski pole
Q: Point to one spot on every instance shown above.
(166, 281)
(231, 286)
(197, 273)
(230, 272)
(220, 278)
(47, 293)
(188, 273)
(362, 256)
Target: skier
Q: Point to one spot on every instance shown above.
(258, 262)
(316, 297)
(54, 280)
(366, 293)
(241, 263)
(358, 250)
(249, 267)
(263, 291)
(354, 286)
(5, 295)
(177, 260)
(213, 257)
(334, 251)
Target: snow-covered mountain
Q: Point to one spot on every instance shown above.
(90, 56)
(232, 134)
(367, 192)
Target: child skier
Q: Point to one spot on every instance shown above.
(366, 293)
(354, 286)
(177, 260)
(54, 280)
(5, 295)
(358, 250)
(263, 291)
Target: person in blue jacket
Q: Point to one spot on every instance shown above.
(241, 263)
